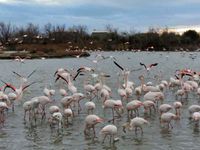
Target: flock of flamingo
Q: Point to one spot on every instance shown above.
(134, 102)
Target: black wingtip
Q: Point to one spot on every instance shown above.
(118, 65)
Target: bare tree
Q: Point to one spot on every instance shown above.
(5, 32)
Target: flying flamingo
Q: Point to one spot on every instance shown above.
(148, 67)
(21, 60)
(24, 79)
(18, 92)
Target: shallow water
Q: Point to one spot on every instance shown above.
(17, 135)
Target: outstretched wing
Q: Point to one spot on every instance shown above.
(118, 65)
(31, 73)
(26, 86)
(155, 64)
(143, 65)
(17, 74)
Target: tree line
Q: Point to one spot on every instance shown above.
(111, 39)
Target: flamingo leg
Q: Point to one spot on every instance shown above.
(141, 130)
(94, 131)
(113, 115)
(104, 138)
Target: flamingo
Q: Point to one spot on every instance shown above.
(53, 109)
(133, 106)
(115, 105)
(90, 122)
(174, 82)
(109, 130)
(18, 92)
(66, 101)
(167, 117)
(148, 88)
(148, 67)
(67, 113)
(104, 93)
(58, 117)
(21, 60)
(63, 92)
(24, 79)
(192, 109)
(136, 122)
(164, 108)
(43, 101)
(178, 106)
(154, 96)
(196, 118)
(77, 97)
(90, 106)
(138, 91)
(89, 89)
(3, 107)
(31, 107)
(148, 105)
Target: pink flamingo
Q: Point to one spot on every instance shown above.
(90, 122)
(109, 130)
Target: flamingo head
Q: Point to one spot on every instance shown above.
(99, 120)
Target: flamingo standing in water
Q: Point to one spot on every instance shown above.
(115, 105)
(136, 122)
(109, 130)
(90, 122)
(164, 108)
(90, 106)
(167, 118)
(133, 105)
(148, 105)
(31, 107)
(68, 113)
(3, 107)
(196, 118)
(192, 109)
(178, 106)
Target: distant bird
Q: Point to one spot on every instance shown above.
(21, 60)
(149, 66)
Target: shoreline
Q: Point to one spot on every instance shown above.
(77, 54)
(71, 54)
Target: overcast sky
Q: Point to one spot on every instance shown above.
(125, 15)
